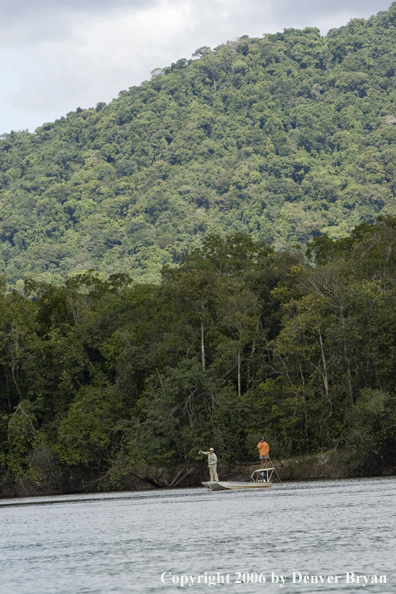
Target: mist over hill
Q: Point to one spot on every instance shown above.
(284, 137)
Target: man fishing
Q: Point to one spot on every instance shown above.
(212, 463)
(263, 448)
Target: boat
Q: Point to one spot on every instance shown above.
(260, 479)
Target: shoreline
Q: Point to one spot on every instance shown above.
(310, 467)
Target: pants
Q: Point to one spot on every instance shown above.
(213, 473)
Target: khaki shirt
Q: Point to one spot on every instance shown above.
(212, 458)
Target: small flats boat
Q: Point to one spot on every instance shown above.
(260, 479)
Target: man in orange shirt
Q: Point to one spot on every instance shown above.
(263, 448)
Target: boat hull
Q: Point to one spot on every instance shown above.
(235, 486)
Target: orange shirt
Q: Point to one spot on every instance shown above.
(263, 448)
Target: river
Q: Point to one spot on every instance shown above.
(153, 541)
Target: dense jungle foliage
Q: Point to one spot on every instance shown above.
(283, 137)
(101, 377)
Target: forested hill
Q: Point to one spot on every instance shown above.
(284, 137)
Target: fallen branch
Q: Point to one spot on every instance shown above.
(190, 471)
(177, 477)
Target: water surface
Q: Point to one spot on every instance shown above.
(122, 543)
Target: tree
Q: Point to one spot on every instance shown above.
(201, 51)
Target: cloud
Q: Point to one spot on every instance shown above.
(24, 22)
(97, 58)
(312, 9)
(21, 11)
(56, 56)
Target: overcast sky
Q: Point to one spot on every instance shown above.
(57, 55)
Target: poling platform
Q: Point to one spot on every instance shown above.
(260, 479)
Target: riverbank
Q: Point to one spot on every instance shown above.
(324, 465)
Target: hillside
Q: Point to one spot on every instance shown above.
(284, 137)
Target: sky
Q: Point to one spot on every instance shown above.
(57, 55)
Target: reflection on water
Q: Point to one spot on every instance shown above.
(121, 543)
